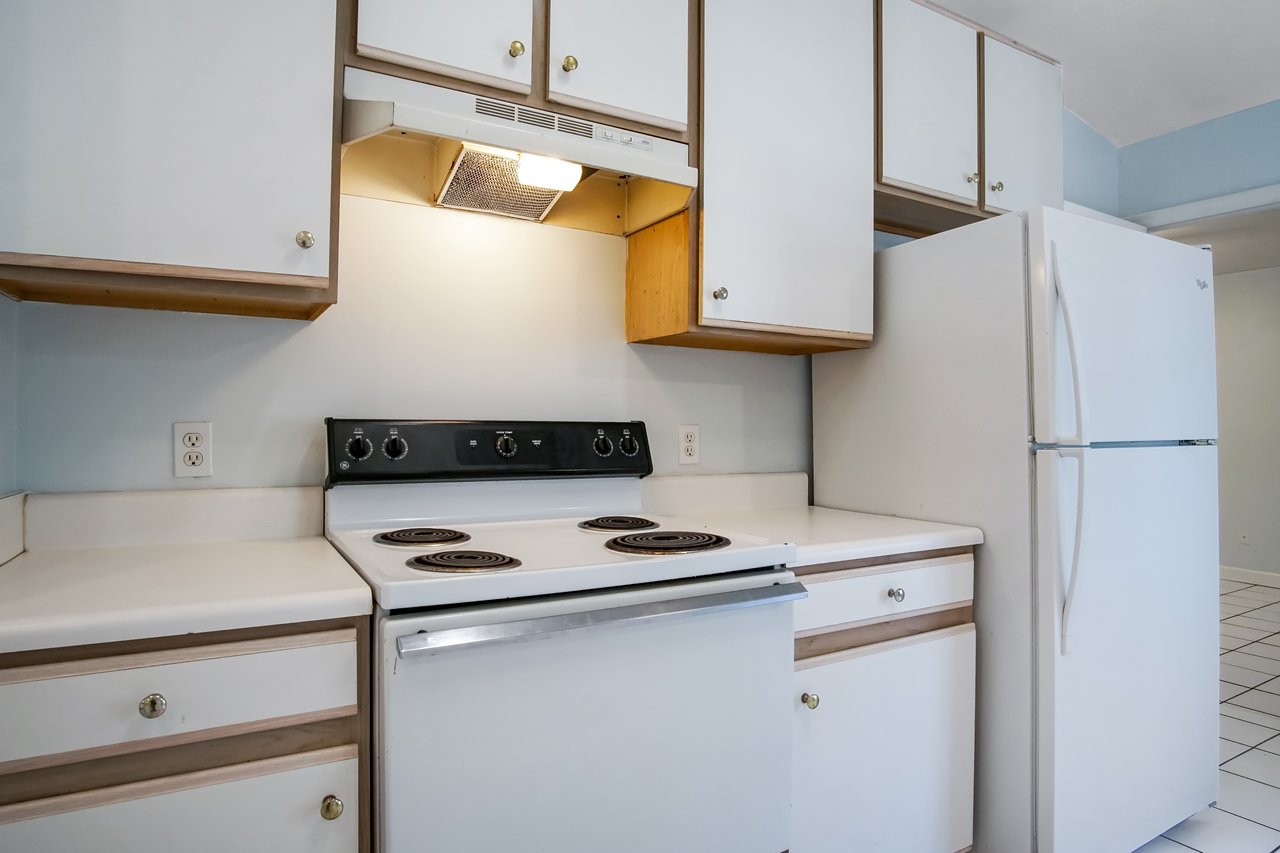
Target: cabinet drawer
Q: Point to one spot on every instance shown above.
(263, 805)
(858, 595)
(98, 703)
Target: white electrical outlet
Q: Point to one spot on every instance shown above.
(689, 444)
(193, 449)
(1243, 538)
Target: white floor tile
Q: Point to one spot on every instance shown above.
(1229, 749)
(1250, 622)
(1160, 844)
(1258, 700)
(1226, 690)
(1257, 593)
(1241, 601)
(1262, 650)
(1272, 686)
(1225, 610)
(1258, 718)
(1272, 745)
(1243, 731)
(1214, 831)
(1249, 799)
(1257, 765)
(1226, 629)
(1239, 675)
(1254, 662)
(1270, 613)
(1231, 586)
(1231, 643)
(1273, 640)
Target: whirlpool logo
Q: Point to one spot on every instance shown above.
(1202, 284)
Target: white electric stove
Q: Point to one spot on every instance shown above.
(559, 669)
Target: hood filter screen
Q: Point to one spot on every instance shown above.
(487, 183)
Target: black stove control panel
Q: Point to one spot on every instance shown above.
(383, 451)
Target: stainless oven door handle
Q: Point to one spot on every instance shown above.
(450, 639)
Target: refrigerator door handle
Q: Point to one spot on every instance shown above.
(1073, 576)
(1061, 296)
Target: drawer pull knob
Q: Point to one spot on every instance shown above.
(720, 293)
(152, 705)
(570, 63)
(331, 808)
(810, 700)
(971, 179)
(516, 49)
(305, 239)
(898, 594)
(997, 187)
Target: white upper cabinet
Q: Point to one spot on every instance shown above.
(489, 43)
(787, 178)
(1022, 129)
(928, 102)
(197, 135)
(624, 59)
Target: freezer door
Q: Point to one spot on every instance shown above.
(1127, 566)
(1122, 338)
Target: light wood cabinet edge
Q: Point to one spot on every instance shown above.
(662, 299)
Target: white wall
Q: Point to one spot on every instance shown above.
(1248, 326)
(8, 395)
(440, 315)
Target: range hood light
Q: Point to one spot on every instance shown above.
(548, 173)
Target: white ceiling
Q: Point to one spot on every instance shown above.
(1241, 241)
(1134, 69)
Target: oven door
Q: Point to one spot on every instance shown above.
(650, 719)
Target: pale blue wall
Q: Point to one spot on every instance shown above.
(1090, 166)
(1237, 152)
(8, 395)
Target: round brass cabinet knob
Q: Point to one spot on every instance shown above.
(570, 63)
(898, 594)
(971, 179)
(516, 49)
(810, 700)
(305, 239)
(331, 808)
(997, 187)
(152, 705)
(720, 293)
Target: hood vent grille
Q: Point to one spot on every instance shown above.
(487, 183)
(537, 118)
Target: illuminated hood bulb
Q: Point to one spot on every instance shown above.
(548, 173)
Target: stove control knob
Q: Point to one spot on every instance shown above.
(395, 447)
(359, 448)
(629, 446)
(602, 445)
(506, 446)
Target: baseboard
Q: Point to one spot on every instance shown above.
(11, 508)
(1231, 573)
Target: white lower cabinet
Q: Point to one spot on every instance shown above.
(884, 759)
(283, 812)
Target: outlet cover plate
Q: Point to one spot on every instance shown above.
(690, 453)
(193, 449)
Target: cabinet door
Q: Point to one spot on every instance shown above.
(885, 761)
(189, 134)
(1022, 129)
(470, 41)
(277, 811)
(623, 59)
(787, 185)
(928, 101)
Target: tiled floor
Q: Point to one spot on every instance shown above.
(1247, 817)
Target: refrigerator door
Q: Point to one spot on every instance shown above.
(1122, 338)
(1127, 566)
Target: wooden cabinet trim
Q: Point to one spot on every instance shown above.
(170, 784)
(837, 638)
(12, 263)
(885, 646)
(890, 562)
(66, 669)
(838, 572)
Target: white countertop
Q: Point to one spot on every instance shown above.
(74, 596)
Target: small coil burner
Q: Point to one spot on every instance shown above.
(460, 562)
(615, 523)
(666, 542)
(416, 537)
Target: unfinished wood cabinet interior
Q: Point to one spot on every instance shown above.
(781, 260)
(190, 162)
(239, 740)
(884, 700)
(627, 62)
(969, 125)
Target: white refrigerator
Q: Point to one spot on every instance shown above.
(1051, 379)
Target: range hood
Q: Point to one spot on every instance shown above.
(410, 141)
